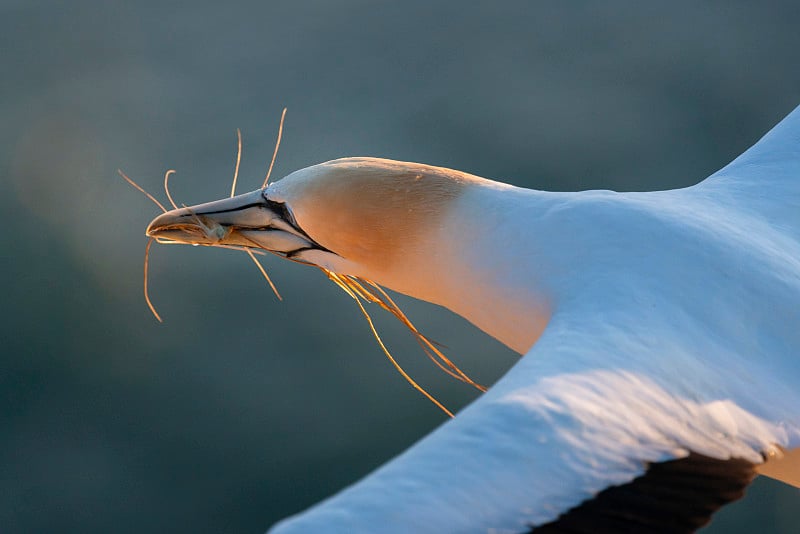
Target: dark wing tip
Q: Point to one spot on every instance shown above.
(670, 497)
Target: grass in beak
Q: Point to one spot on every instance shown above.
(361, 289)
(137, 186)
(166, 187)
(275, 152)
(146, 294)
(263, 272)
(238, 161)
(345, 285)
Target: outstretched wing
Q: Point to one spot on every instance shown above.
(765, 179)
(591, 407)
(666, 374)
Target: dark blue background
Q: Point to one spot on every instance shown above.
(240, 409)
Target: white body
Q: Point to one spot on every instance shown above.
(672, 325)
(653, 325)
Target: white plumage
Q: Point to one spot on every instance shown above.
(653, 325)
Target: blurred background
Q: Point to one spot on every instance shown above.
(240, 409)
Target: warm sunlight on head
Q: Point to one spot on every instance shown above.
(370, 211)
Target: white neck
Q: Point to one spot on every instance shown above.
(475, 263)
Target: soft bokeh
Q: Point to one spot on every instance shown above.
(240, 409)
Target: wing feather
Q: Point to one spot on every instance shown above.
(583, 411)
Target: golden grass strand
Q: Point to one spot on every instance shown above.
(353, 292)
(441, 362)
(397, 365)
(146, 266)
(137, 186)
(434, 354)
(275, 152)
(263, 272)
(375, 294)
(166, 187)
(240, 249)
(238, 161)
(197, 219)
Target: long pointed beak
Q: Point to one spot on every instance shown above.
(247, 220)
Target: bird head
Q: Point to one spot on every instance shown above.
(367, 217)
(420, 230)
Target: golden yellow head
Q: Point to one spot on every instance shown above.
(407, 226)
(371, 212)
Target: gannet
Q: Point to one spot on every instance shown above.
(660, 334)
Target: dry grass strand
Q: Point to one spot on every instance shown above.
(375, 294)
(166, 187)
(263, 272)
(238, 161)
(146, 266)
(137, 186)
(354, 292)
(275, 152)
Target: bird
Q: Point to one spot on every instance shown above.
(659, 335)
